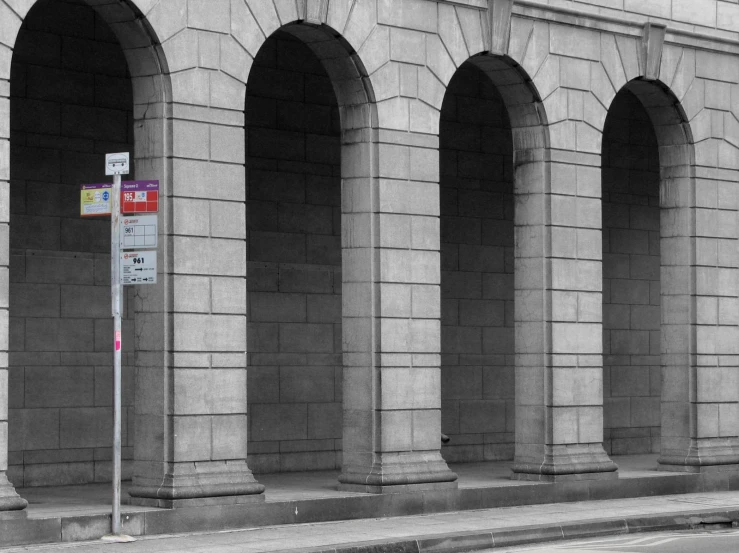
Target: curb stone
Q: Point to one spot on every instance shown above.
(460, 542)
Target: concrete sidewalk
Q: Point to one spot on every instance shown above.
(447, 532)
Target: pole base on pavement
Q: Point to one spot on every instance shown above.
(117, 538)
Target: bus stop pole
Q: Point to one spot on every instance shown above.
(117, 345)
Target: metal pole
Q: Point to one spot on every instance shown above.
(117, 345)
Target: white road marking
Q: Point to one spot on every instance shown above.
(613, 545)
(660, 542)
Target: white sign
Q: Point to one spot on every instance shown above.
(139, 231)
(139, 267)
(117, 164)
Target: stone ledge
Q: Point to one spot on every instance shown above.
(363, 506)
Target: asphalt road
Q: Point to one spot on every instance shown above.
(716, 541)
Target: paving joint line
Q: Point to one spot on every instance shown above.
(478, 540)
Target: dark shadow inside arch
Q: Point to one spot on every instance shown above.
(71, 102)
(476, 183)
(294, 281)
(631, 279)
(648, 183)
(492, 139)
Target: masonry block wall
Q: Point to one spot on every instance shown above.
(70, 104)
(721, 16)
(294, 267)
(477, 386)
(631, 280)
(559, 70)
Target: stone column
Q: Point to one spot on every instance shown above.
(700, 314)
(191, 408)
(391, 303)
(9, 499)
(558, 313)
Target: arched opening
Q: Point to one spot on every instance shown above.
(71, 102)
(477, 286)
(294, 255)
(648, 143)
(631, 279)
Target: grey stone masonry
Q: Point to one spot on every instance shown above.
(512, 222)
(60, 367)
(294, 267)
(631, 280)
(477, 345)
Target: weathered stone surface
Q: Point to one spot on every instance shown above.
(491, 213)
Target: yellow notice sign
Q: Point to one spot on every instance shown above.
(95, 200)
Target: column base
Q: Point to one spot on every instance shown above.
(701, 455)
(10, 502)
(191, 485)
(564, 463)
(194, 502)
(697, 469)
(403, 488)
(398, 472)
(553, 478)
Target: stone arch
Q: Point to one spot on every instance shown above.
(671, 123)
(132, 29)
(695, 282)
(631, 278)
(331, 30)
(478, 348)
(356, 177)
(146, 68)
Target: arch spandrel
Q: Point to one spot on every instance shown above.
(266, 15)
(375, 51)
(134, 31)
(166, 17)
(338, 14)
(12, 21)
(361, 20)
(537, 48)
(334, 38)
(473, 28)
(451, 34)
(287, 10)
(521, 30)
(671, 58)
(245, 28)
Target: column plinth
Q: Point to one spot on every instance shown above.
(391, 326)
(392, 472)
(558, 463)
(701, 455)
(185, 486)
(9, 498)
(559, 327)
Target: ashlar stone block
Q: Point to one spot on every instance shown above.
(414, 14)
(575, 42)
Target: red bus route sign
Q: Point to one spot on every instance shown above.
(140, 196)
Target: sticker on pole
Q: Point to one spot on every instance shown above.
(118, 164)
(139, 231)
(95, 200)
(140, 196)
(118, 340)
(138, 267)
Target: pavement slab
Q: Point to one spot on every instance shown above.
(475, 530)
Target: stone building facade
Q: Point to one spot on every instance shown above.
(510, 221)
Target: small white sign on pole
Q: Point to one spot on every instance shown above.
(118, 164)
(139, 231)
(138, 267)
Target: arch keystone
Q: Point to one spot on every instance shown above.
(653, 39)
(11, 25)
(498, 35)
(313, 11)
